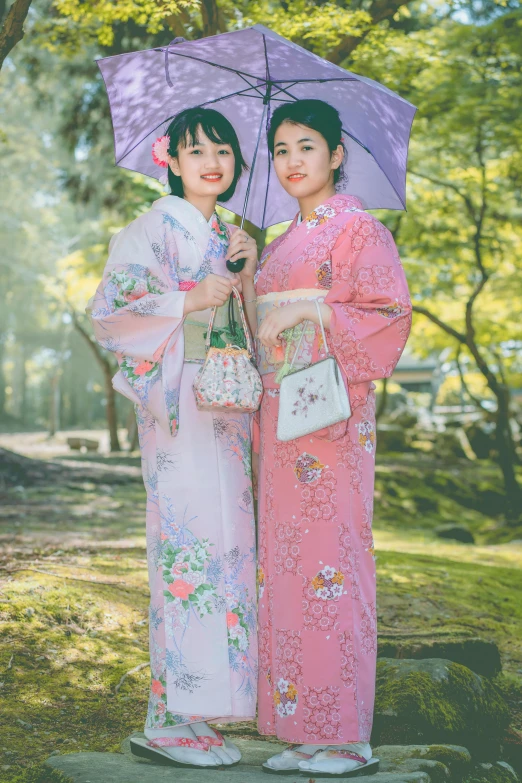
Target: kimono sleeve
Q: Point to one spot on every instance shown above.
(137, 313)
(135, 310)
(371, 308)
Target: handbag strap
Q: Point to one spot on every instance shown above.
(244, 324)
(325, 344)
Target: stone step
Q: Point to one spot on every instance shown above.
(120, 768)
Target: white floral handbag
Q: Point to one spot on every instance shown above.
(228, 381)
(313, 397)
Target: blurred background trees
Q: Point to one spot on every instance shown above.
(461, 239)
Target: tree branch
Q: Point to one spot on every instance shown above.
(93, 345)
(379, 11)
(446, 327)
(444, 184)
(465, 386)
(12, 30)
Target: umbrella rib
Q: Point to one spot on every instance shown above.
(224, 97)
(267, 124)
(209, 62)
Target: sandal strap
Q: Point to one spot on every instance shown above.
(296, 754)
(178, 742)
(217, 741)
(345, 754)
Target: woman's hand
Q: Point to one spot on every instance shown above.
(213, 291)
(243, 246)
(277, 321)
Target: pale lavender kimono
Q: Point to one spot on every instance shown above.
(196, 469)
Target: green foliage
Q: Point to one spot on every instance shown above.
(73, 23)
(318, 27)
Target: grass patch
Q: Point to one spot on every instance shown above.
(66, 638)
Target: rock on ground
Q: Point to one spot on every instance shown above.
(435, 700)
(440, 762)
(479, 655)
(500, 772)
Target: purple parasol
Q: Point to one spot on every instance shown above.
(245, 75)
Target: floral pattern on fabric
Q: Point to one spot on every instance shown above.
(324, 275)
(287, 552)
(320, 215)
(260, 582)
(140, 375)
(369, 629)
(200, 526)
(393, 311)
(318, 615)
(228, 380)
(351, 259)
(286, 697)
(308, 468)
(289, 655)
(131, 284)
(318, 499)
(322, 714)
(367, 436)
(328, 583)
(348, 660)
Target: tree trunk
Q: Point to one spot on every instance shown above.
(379, 413)
(110, 407)
(2, 377)
(23, 385)
(507, 456)
(132, 431)
(12, 30)
(54, 404)
(110, 394)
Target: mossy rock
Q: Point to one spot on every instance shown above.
(436, 700)
(455, 532)
(454, 758)
(492, 773)
(479, 655)
(391, 437)
(42, 774)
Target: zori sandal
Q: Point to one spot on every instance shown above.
(219, 741)
(335, 763)
(152, 750)
(287, 762)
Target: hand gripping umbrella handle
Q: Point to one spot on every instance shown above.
(237, 266)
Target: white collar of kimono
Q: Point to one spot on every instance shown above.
(187, 214)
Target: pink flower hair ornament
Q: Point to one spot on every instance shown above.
(160, 151)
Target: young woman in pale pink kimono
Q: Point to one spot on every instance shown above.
(317, 615)
(165, 270)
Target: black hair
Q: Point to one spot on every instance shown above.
(183, 130)
(314, 114)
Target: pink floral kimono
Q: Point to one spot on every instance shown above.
(317, 613)
(196, 468)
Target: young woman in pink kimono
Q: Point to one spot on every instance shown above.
(317, 615)
(165, 270)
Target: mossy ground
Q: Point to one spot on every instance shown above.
(67, 638)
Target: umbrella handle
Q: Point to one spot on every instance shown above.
(237, 266)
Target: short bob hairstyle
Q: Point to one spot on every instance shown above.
(314, 114)
(184, 129)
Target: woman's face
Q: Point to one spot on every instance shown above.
(302, 160)
(206, 168)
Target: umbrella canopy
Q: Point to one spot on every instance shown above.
(245, 75)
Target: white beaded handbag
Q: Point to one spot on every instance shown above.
(228, 381)
(313, 397)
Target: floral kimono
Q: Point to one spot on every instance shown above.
(196, 468)
(317, 612)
